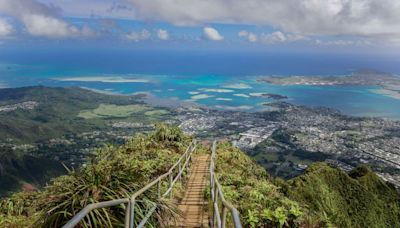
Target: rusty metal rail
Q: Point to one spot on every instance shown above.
(179, 167)
(219, 217)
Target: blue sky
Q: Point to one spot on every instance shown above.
(360, 26)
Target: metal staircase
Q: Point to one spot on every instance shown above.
(218, 210)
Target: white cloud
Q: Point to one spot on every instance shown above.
(308, 17)
(5, 28)
(42, 25)
(40, 19)
(138, 36)
(212, 34)
(163, 34)
(343, 42)
(251, 37)
(280, 37)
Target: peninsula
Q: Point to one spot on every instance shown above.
(389, 84)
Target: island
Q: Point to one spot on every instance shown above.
(389, 83)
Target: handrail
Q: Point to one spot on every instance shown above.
(130, 209)
(217, 195)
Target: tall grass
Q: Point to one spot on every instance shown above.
(249, 188)
(113, 173)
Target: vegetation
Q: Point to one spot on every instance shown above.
(25, 171)
(324, 196)
(64, 111)
(116, 111)
(357, 199)
(115, 172)
(26, 154)
(252, 191)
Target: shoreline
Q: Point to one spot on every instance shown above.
(387, 92)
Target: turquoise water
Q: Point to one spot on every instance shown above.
(217, 91)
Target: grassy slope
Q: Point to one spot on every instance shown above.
(248, 186)
(357, 199)
(323, 196)
(116, 172)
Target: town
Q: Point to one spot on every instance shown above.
(285, 140)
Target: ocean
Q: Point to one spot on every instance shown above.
(222, 80)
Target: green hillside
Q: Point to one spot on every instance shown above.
(25, 171)
(115, 172)
(57, 112)
(60, 115)
(322, 197)
(357, 199)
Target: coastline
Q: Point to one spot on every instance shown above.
(387, 92)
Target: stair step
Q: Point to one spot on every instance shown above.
(193, 206)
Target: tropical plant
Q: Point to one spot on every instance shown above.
(114, 172)
(247, 185)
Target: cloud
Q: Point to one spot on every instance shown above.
(251, 37)
(40, 19)
(163, 34)
(212, 34)
(5, 28)
(343, 42)
(105, 9)
(42, 25)
(138, 36)
(275, 37)
(270, 38)
(280, 37)
(307, 17)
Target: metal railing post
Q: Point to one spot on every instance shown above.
(132, 213)
(127, 215)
